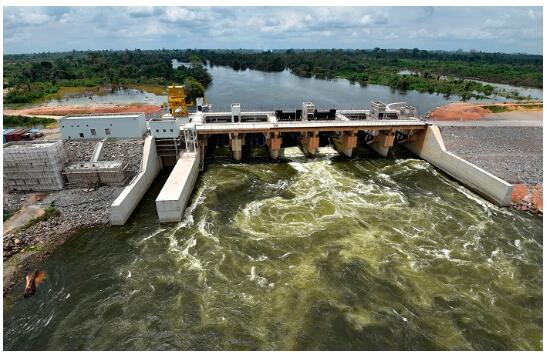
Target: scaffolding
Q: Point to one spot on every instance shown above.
(33, 166)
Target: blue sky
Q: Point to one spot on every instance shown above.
(492, 29)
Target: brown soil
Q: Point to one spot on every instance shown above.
(528, 197)
(88, 109)
(459, 111)
(470, 111)
(29, 210)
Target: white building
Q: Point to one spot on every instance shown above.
(167, 126)
(120, 125)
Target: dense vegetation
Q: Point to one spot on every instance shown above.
(34, 76)
(427, 71)
(21, 121)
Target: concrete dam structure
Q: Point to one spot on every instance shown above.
(380, 128)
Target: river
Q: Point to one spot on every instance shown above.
(276, 90)
(324, 253)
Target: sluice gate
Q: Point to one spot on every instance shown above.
(379, 128)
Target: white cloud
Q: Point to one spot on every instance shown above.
(53, 28)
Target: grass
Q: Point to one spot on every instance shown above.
(49, 212)
(498, 108)
(73, 91)
(9, 214)
(20, 121)
(155, 89)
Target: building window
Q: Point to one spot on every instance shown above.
(81, 135)
(157, 130)
(93, 132)
(107, 131)
(171, 130)
(110, 124)
(164, 130)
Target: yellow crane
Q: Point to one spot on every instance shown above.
(176, 99)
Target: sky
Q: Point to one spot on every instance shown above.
(490, 29)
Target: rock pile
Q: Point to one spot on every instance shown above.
(514, 154)
(79, 208)
(80, 150)
(126, 150)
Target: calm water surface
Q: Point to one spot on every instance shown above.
(320, 253)
(262, 90)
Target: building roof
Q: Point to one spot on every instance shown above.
(105, 116)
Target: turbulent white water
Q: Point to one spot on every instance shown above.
(311, 254)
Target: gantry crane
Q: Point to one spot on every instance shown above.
(176, 99)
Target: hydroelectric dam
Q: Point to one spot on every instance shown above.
(182, 143)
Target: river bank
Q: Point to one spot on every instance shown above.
(514, 154)
(60, 111)
(476, 111)
(24, 248)
(76, 209)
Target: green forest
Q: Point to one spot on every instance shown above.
(32, 77)
(426, 71)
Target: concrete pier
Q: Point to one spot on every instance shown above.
(273, 140)
(310, 143)
(171, 202)
(122, 208)
(383, 140)
(237, 140)
(429, 145)
(345, 143)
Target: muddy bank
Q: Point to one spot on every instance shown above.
(74, 209)
(471, 111)
(528, 197)
(83, 109)
(78, 209)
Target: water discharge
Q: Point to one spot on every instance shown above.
(318, 253)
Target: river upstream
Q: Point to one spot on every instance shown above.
(257, 90)
(324, 253)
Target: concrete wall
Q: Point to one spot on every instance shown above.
(128, 125)
(171, 202)
(429, 145)
(122, 208)
(166, 128)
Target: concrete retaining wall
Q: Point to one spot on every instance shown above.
(129, 198)
(171, 202)
(429, 146)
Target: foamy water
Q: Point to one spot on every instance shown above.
(316, 253)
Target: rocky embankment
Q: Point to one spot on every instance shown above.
(76, 209)
(514, 154)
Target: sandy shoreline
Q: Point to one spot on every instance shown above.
(473, 111)
(82, 109)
